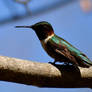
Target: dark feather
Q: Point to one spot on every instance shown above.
(61, 53)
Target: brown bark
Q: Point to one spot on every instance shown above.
(44, 74)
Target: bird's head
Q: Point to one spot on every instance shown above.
(43, 29)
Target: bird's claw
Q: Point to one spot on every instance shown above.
(53, 63)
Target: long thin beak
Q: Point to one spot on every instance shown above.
(23, 26)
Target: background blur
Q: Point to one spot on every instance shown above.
(71, 19)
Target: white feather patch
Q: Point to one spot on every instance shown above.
(45, 40)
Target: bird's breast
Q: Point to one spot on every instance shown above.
(50, 51)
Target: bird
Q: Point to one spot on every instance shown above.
(58, 48)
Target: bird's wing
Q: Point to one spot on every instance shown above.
(85, 59)
(61, 49)
(65, 52)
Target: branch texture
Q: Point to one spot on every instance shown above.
(44, 74)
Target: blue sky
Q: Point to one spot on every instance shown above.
(69, 22)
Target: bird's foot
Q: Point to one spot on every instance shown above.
(50, 62)
(53, 63)
(75, 65)
(70, 64)
(66, 63)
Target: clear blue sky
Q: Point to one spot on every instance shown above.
(69, 22)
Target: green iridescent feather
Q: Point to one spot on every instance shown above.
(77, 54)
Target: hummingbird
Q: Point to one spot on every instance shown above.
(57, 47)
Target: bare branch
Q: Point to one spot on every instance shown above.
(44, 74)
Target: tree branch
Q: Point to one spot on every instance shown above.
(44, 74)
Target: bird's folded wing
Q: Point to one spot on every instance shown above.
(67, 54)
(61, 49)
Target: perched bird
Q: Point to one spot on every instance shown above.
(57, 47)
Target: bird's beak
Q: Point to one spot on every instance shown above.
(24, 26)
